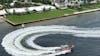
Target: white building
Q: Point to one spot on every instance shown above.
(60, 3)
(66, 3)
(22, 1)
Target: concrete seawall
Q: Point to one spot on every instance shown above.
(87, 11)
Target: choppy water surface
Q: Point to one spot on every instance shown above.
(83, 46)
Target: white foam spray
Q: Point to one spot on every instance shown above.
(11, 42)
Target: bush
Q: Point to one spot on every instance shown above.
(19, 4)
(42, 1)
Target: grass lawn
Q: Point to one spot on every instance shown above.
(37, 16)
(17, 19)
(87, 7)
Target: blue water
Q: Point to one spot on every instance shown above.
(83, 46)
(82, 20)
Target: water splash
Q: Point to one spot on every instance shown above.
(12, 41)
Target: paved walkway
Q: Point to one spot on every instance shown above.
(1, 19)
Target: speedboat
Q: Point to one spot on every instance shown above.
(64, 49)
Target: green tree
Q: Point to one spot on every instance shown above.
(5, 1)
(87, 1)
(42, 1)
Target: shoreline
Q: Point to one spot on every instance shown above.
(46, 19)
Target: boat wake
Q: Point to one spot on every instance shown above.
(12, 42)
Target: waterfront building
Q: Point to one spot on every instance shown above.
(58, 3)
(71, 3)
(25, 1)
(66, 3)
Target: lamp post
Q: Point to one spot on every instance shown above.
(23, 26)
